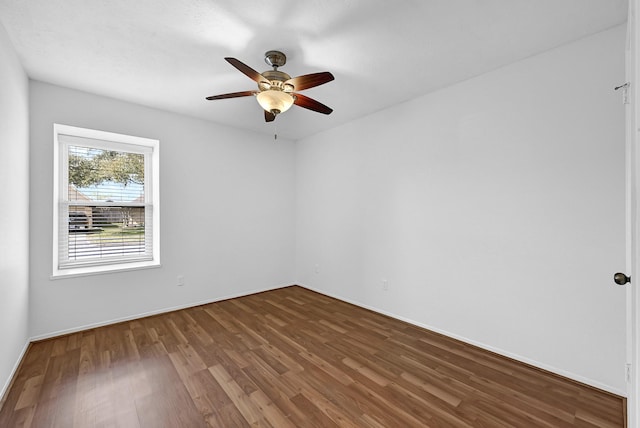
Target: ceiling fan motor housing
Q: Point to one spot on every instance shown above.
(276, 79)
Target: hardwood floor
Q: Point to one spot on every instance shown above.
(287, 358)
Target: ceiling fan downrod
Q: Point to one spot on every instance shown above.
(275, 59)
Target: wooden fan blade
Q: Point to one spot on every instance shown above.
(310, 80)
(269, 117)
(244, 68)
(232, 95)
(311, 104)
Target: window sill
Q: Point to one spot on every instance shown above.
(99, 270)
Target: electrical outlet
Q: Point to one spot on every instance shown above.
(385, 285)
(317, 268)
(180, 280)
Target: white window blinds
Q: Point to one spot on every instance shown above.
(105, 203)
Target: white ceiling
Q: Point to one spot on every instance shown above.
(169, 54)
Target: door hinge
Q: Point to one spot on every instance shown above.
(627, 373)
(625, 92)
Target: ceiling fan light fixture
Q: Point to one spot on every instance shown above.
(275, 102)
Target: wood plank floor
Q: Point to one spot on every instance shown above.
(287, 358)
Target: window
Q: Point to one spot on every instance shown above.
(106, 211)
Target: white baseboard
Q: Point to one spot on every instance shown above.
(7, 383)
(490, 348)
(150, 313)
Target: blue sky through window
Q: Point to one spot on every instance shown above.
(109, 191)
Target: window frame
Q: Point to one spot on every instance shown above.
(117, 142)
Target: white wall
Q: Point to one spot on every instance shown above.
(14, 210)
(494, 208)
(227, 209)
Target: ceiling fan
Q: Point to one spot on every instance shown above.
(277, 91)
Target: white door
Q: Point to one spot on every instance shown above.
(633, 216)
